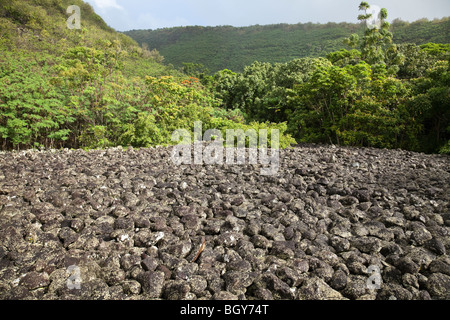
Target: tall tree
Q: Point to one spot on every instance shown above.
(376, 45)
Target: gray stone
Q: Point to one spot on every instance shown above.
(176, 290)
(292, 277)
(185, 271)
(224, 296)
(367, 244)
(300, 265)
(198, 285)
(420, 235)
(113, 276)
(237, 282)
(338, 280)
(262, 294)
(128, 261)
(440, 265)
(318, 289)
(438, 285)
(34, 280)
(279, 289)
(394, 291)
(152, 283)
(181, 249)
(132, 287)
(356, 287)
(149, 264)
(339, 244)
(213, 226)
(436, 246)
(407, 265)
(283, 249)
(124, 223)
(410, 280)
(259, 241)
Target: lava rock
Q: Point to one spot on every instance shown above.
(438, 285)
(318, 289)
(339, 280)
(367, 244)
(129, 224)
(34, 280)
(152, 283)
(176, 290)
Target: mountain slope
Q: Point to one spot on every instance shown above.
(227, 47)
(92, 87)
(41, 26)
(47, 20)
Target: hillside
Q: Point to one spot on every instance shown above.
(89, 87)
(227, 47)
(56, 83)
(40, 26)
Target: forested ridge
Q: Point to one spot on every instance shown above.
(96, 88)
(374, 93)
(93, 87)
(227, 47)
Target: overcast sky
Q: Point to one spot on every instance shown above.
(124, 15)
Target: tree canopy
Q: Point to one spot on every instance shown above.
(234, 48)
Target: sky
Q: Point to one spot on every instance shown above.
(124, 15)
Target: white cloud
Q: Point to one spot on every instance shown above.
(106, 4)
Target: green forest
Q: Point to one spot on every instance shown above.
(96, 88)
(93, 87)
(234, 48)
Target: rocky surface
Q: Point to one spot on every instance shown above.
(334, 223)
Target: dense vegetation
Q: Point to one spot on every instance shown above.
(374, 93)
(96, 88)
(233, 48)
(93, 87)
